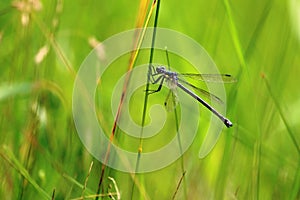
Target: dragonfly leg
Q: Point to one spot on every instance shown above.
(161, 79)
(152, 74)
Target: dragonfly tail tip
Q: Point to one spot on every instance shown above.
(228, 123)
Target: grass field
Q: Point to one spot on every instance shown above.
(42, 45)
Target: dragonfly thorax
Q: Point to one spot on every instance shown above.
(169, 74)
(171, 77)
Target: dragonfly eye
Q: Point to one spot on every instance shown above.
(160, 69)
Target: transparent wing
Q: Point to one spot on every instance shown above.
(171, 101)
(203, 92)
(216, 78)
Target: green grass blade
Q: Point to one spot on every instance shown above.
(289, 129)
(157, 3)
(183, 171)
(88, 191)
(8, 155)
(295, 193)
(26, 88)
(11, 90)
(235, 36)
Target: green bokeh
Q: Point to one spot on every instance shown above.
(258, 158)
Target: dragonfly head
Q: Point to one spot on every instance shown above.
(160, 69)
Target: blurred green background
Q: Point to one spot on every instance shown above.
(43, 43)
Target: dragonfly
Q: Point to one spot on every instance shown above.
(160, 74)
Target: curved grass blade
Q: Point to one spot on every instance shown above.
(25, 88)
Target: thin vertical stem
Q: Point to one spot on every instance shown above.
(178, 185)
(178, 139)
(132, 61)
(140, 149)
